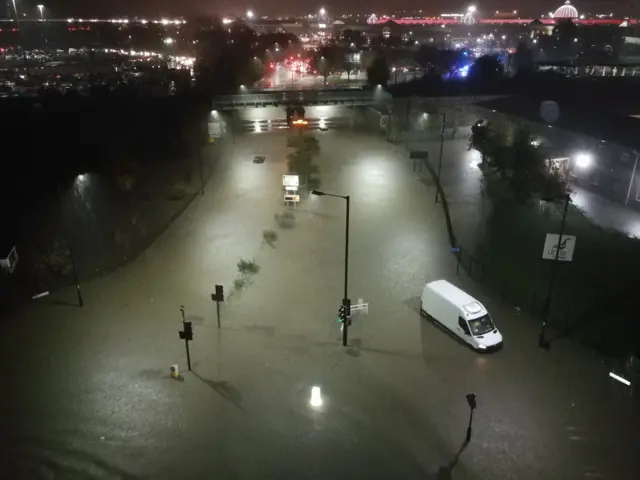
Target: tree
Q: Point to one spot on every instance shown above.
(300, 161)
(519, 168)
(226, 58)
(355, 37)
(328, 60)
(378, 72)
(522, 60)
(486, 71)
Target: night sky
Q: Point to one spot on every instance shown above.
(275, 7)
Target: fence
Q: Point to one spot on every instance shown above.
(566, 316)
(107, 226)
(561, 317)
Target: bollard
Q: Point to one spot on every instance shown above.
(175, 371)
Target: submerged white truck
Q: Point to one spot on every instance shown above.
(461, 314)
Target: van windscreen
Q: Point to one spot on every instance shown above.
(481, 325)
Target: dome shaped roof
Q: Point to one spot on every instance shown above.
(566, 11)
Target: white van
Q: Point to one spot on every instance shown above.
(461, 314)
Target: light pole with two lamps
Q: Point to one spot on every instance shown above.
(346, 303)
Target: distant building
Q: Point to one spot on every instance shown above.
(566, 11)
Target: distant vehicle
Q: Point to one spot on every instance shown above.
(461, 314)
(259, 159)
(323, 129)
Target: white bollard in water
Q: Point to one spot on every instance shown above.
(175, 372)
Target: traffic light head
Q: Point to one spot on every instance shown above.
(342, 314)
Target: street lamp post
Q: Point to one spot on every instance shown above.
(542, 342)
(345, 299)
(444, 123)
(68, 241)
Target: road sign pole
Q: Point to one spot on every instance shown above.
(542, 342)
(186, 344)
(218, 296)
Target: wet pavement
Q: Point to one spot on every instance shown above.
(606, 213)
(87, 392)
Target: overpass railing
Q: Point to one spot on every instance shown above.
(302, 97)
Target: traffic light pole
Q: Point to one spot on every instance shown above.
(346, 250)
(346, 303)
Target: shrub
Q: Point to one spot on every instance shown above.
(248, 267)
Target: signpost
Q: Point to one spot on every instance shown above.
(215, 130)
(291, 184)
(564, 250)
(557, 248)
(291, 180)
(218, 297)
(186, 334)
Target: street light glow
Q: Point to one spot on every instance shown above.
(620, 379)
(249, 14)
(168, 41)
(322, 12)
(316, 397)
(583, 160)
(471, 9)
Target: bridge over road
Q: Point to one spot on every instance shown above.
(302, 97)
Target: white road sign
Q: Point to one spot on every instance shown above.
(292, 198)
(290, 181)
(215, 129)
(567, 246)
